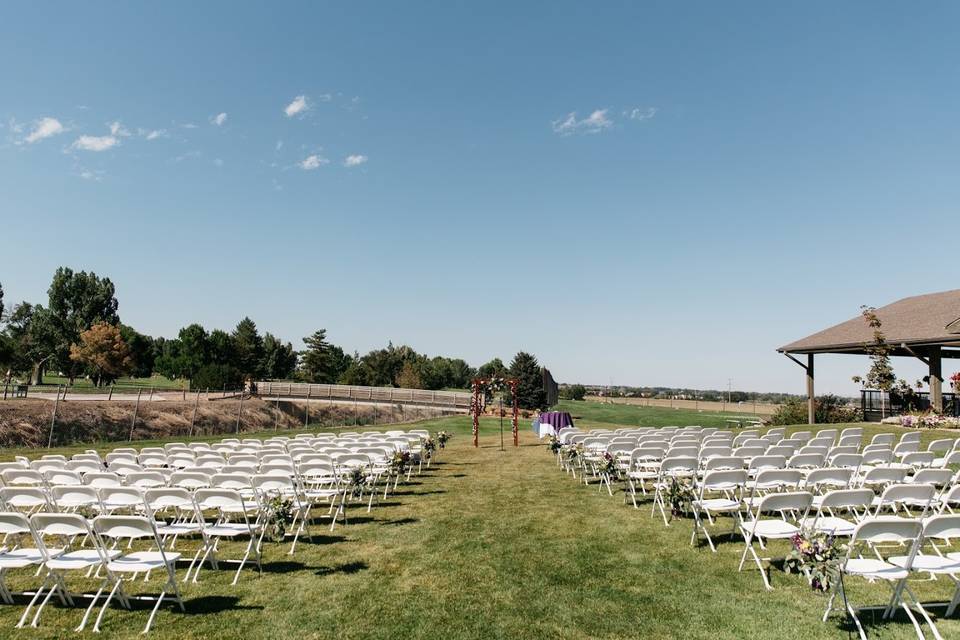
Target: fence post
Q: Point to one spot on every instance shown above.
(136, 408)
(193, 420)
(151, 394)
(6, 383)
(53, 418)
(240, 412)
(110, 395)
(276, 422)
(306, 410)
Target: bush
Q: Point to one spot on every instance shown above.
(573, 392)
(216, 376)
(828, 409)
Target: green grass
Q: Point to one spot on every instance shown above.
(491, 544)
(633, 415)
(160, 383)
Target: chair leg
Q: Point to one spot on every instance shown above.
(93, 603)
(103, 609)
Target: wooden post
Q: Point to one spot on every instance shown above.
(110, 395)
(306, 410)
(936, 380)
(811, 401)
(193, 420)
(240, 412)
(276, 422)
(53, 418)
(151, 394)
(136, 408)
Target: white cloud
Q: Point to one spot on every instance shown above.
(312, 162)
(641, 113)
(94, 175)
(218, 162)
(354, 161)
(118, 130)
(279, 145)
(95, 143)
(219, 119)
(594, 123)
(153, 134)
(299, 105)
(42, 128)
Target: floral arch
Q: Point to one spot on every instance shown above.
(480, 387)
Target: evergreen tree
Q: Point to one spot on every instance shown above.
(279, 359)
(317, 362)
(530, 392)
(249, 346)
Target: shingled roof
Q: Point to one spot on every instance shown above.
(925, 320)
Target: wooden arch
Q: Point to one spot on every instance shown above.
(480, 386)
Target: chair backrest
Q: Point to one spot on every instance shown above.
(919, 458)
(146, 479)
(190, 480)
(841, 498)
(778, 478)
(942, 527)
(884, 475)
(29, 498)
(829, 477)
(678, 465)
(883, 438)
(846, 460)
(942, 445)
(63, 525)
(805, 461)
(163, 498)
(794, 501)
(62, 477)
(768, 462)
(234, 481)
(936, 477)
(13, 523)
(66, 497)
(724, 462)
(102, 479)
(724, 480)
(21, 477)
(914, 494)
(749, 452)
(879, 456)
(886, 529)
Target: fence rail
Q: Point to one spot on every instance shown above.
(444, 399)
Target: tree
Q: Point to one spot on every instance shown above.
(223, 351)
(279, 359)
(530, 392)
(141, 350)
(492, 369)
(574, 392)
(76, 302)
(194, 351)
(880, 376)
(249, 346)
(317, 363)
(102, 350)
(409, 378)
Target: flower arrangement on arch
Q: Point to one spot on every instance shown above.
(356, 482)
(442, 437)
(955, 382)
(929, 421)
(817, 555)
(575, 453)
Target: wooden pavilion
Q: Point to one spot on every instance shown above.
(926, 327)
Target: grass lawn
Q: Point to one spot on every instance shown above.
(160, 383)
(491, 544)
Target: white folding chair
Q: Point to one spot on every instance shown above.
(721, 492)
(19, 556)
(229, 505)
(775, 528)
(109, 531)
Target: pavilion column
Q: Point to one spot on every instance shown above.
(936, 380)
(811, 403)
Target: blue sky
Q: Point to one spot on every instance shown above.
(638, 193)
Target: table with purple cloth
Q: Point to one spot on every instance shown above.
(549, 423)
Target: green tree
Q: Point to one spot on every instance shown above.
(409, 377)
(279, 358)
(574, 392)
(530, 392)
(249, 346)
(76, 302)
(492, 369)
(194, 350)
(880, 375)
(317, 362)
(223, 351)
(141, 350)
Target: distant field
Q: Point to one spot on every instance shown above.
(82, 384)
(633, 415)
(755, 408)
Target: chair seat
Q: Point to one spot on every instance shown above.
(20, 558)
(178, 528)
(774, 528)
(873, 568)
(929, 563)
(833, 525)
(81, 559)
(141, 561)
(718, 504)
(316, 494)
(228, 530)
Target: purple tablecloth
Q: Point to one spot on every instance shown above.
(557, 419)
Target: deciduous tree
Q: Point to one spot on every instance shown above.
(102, 350)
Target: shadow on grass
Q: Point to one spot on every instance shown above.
(347, 568)
(207, 604)
(283, 566)
(417, 493)
(400, 521)
(320, 539)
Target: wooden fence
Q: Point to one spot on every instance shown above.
(453, 400)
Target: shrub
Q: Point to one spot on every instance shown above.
(573, 392)
(828, 409)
